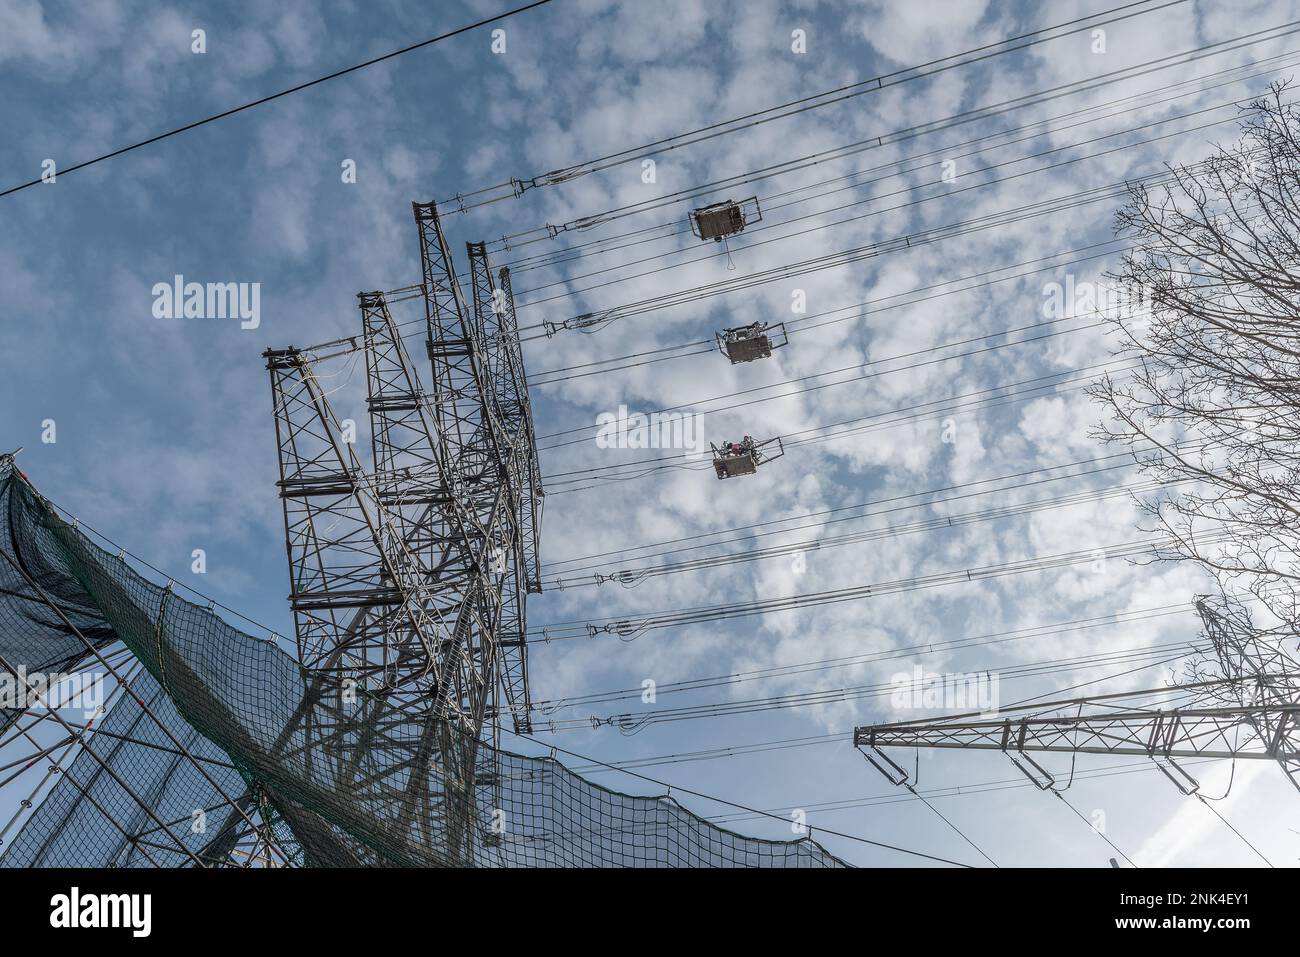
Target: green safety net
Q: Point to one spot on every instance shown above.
(222, 732)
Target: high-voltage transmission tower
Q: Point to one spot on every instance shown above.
(409, 578)
(1241, 702)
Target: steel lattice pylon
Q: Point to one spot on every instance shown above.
(1249, 708)
(410, 578)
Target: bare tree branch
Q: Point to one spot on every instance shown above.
(1212, 410)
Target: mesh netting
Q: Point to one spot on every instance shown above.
(222, 729)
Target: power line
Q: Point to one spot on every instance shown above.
(516, 187)
(628, 628)
(1053, 630)
(858, 310)
(903, 135)
(947, 193)
(962, 834)
(994, 402)
(863, 368)
(593, 321)
(275, 96)
(346, 345)
(694, 295)
(1051, 384)
(710, 710)
(747, 242)
(1100, 834)
(1021, 480)
(630, 577)
(1215, 812)
(589, 322)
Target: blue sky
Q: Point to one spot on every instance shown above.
(165, 440)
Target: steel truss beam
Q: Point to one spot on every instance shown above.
(1097, 727)
(1248, 708)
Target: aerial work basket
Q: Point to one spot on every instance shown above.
(724, 219)
(754, 341)
(744, 457)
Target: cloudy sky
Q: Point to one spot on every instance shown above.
(914, 387)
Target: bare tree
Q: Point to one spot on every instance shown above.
(1211, 407)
